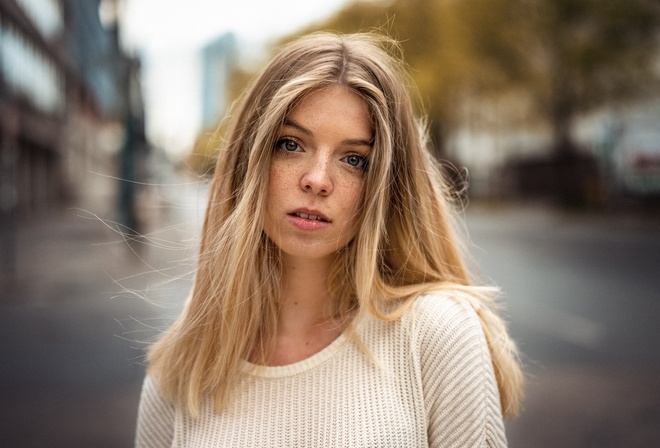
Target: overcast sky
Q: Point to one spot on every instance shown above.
(169, 33)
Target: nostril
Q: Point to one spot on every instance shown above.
(317, 186)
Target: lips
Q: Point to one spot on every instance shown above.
(312, 215)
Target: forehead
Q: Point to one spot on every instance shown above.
(336, 106)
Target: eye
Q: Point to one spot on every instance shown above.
(288, 145)
(357, 161)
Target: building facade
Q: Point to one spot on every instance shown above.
(218, 61)
(70, 107)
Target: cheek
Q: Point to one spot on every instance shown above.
(273, 197)
(280, 175)
(277, 176)
(351, 197)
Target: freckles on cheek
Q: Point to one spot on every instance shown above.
(280, 171)
(352, 196)
(274, 176)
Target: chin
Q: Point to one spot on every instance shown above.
(309, 253)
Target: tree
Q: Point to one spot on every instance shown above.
(574, 56)
(562, 58)
(430, 40)
(570, 56)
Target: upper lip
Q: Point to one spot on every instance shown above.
(310, 212)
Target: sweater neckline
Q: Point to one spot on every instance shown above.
(298, 367)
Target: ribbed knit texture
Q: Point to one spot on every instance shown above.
(433, 386)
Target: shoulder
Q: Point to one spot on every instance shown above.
(439, 303)
(447, 337)
(151, 400)
(460, 389)
(443, 315)
(150, 389)
(155, 417)
(429, 321)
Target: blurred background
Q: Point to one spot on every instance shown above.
(547, 111)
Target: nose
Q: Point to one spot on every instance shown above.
(317, 177)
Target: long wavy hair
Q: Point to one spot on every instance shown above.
(405, 246)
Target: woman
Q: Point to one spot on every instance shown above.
(330, 306)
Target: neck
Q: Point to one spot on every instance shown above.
(303, 326)
(305, 296)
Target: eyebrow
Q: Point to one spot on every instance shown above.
(350, 142)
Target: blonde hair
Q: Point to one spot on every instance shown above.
(405, 246)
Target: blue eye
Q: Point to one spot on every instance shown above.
(288, 145)
(357, 161)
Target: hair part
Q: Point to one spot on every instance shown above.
(405, 246)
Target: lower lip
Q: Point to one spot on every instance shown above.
(307, 224)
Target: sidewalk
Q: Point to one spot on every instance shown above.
(73, 326)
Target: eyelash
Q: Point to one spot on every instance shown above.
(283, 141)
(362, 163)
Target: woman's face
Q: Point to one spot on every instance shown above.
(317, 174)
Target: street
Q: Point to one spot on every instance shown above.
(74, 326)
(580, 292)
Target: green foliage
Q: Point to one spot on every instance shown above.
(568, 56)
(431, 41)
(559, 58)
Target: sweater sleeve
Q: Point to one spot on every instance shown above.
(155, 425)
(460, 390)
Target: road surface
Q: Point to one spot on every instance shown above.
(580, 293)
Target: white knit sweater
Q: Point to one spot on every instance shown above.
(435, 387)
